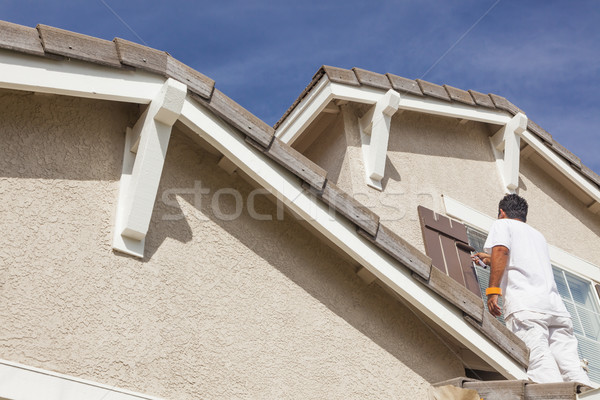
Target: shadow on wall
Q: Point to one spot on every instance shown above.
(35, 126)
(283, 244)
(424, 134)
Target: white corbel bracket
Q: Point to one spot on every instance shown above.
(144, 156)
(374, 134)
(506, 144)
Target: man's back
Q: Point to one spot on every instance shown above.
(528, 282)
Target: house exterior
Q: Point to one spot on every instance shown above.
(159, 241)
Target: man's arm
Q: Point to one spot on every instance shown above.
(499, 261)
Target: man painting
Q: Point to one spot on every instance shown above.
(533, 309)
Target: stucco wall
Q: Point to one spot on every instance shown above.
(565, 220)
(218, 308)
(432, 156)
(427, 157)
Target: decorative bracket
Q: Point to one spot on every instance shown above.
(144, 156)
(375, 134)
(506, 144)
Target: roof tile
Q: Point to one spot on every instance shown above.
(503, 104)
(459, 95)
(539, 131)
(340, 75)
(20, 38)
(346, 205)
(433, 90)
(594, 177)
(388, 241)
(239, 117)
(404, 85)
(572, 158)
(195, 81)
(298, 164)
(316, 77)
(374, 79)
(481, 99)
(142, 57)
(78, 46)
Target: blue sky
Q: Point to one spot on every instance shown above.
(544, 56)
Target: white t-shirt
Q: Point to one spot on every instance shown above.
(528, 282)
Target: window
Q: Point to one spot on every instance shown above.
(579, 297)
(581, 300)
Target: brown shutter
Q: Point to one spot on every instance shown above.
(447, 244)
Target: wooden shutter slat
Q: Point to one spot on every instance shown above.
(468, 271)
(453, 267)
(446, 242)
(433, 248)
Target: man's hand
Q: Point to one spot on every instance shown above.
(485, 257)
(493, 306)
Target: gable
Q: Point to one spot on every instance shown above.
(331, 87)
(429, 155)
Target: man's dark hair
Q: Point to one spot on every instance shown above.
(514, 206)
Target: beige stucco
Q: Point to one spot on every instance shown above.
(430, 156)
(566, 222)
(218, 308)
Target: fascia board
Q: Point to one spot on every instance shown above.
(76, 78)
(288, 189)
(305, 112)
(454, 110)
(24, 382)
(483, 222)
(325, 91)
(367, 95)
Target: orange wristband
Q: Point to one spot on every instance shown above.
(493, 290)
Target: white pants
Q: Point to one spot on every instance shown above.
(552, 347)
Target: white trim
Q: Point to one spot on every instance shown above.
(506, 145)
(454, 110)
(305, 112)
(22, 382)
(483, 222)
(76, 78)
(374, 135)
(141, 173)
(288, 189)
(325, 91)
